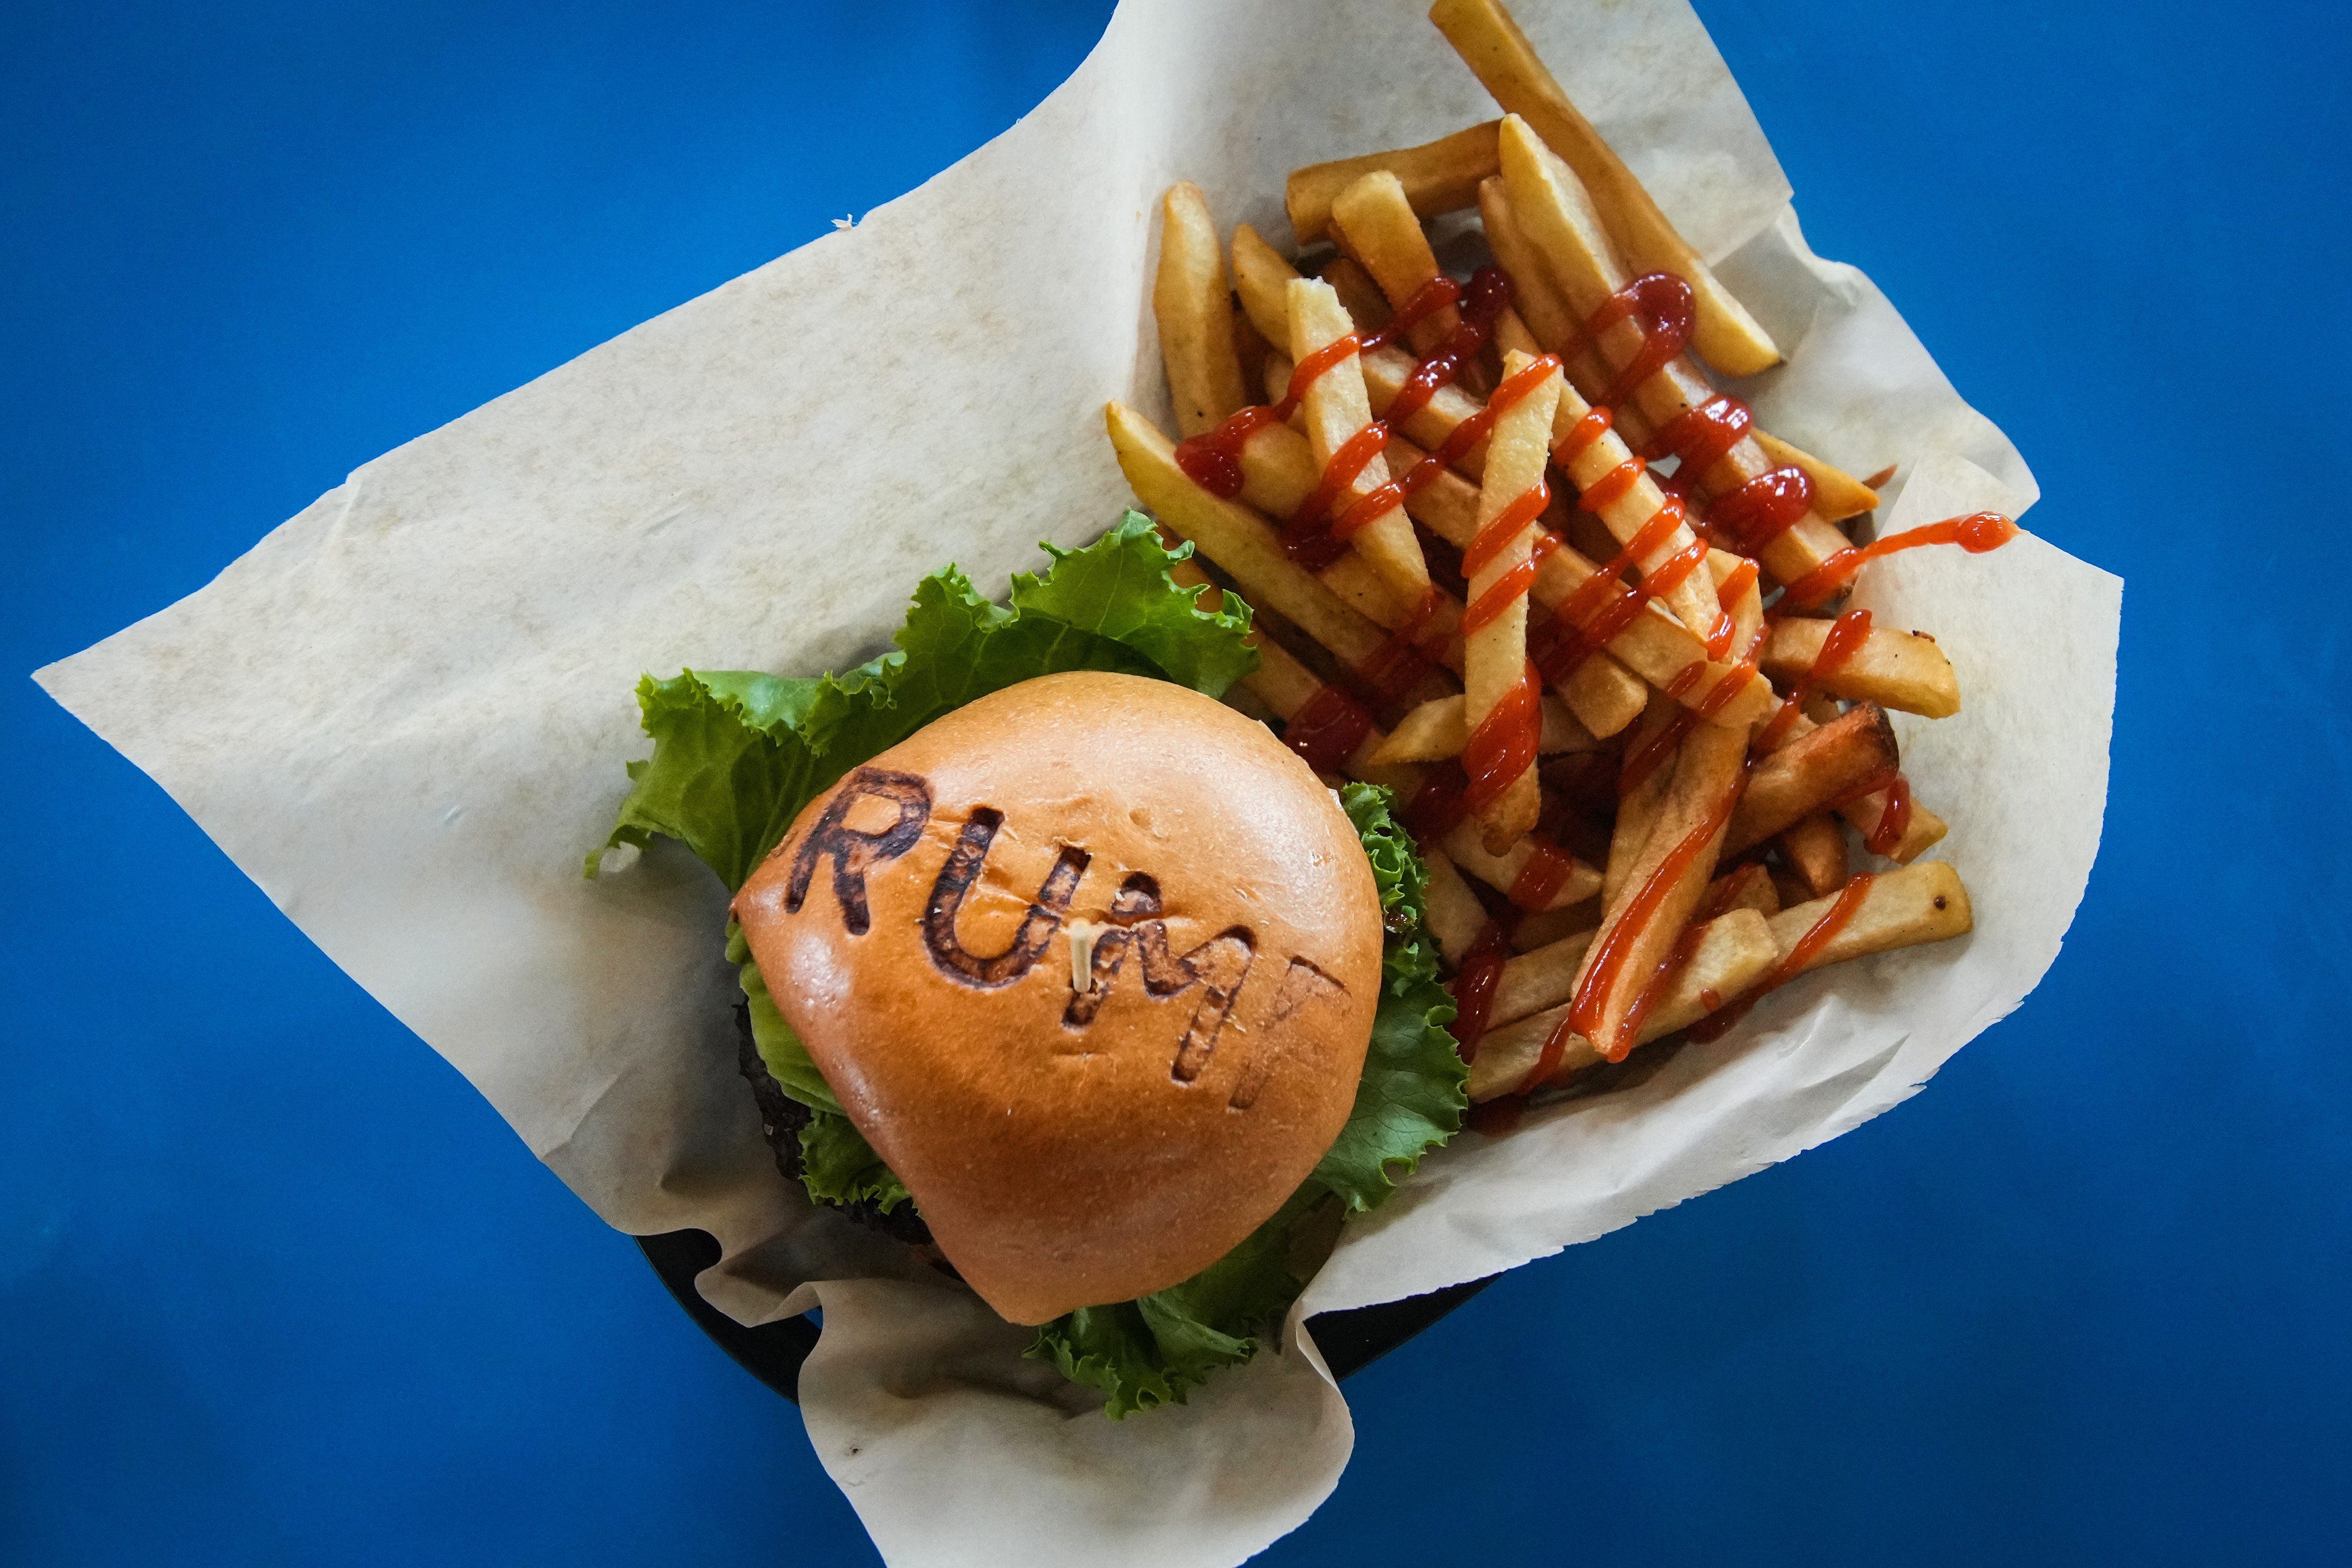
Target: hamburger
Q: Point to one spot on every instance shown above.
(1059, 969)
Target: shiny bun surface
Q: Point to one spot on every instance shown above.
(1092, 964)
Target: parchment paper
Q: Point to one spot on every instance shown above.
(404, 713)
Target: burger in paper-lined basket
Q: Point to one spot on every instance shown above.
(1473, 719)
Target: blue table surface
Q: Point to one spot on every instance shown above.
(275, 1283)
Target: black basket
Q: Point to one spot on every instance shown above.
(773, 1352)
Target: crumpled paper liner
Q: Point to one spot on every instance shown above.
(403, 714)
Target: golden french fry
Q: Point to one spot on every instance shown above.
(1262, 277)
(1378, 227)
(1439, 176)
(1747, 887)
(1278, 472)
(1924, 829)
(1918, 904)
(1367, 306)
(1921, 833)
(1813, 772)
(1654, 646)
(1555, 213)
(1549, 319)
(1837, 495)
(1638, 808)
(1663, 886)
(1450, 910)
(1733, 951)
(1195, 312)
(1898, 670)
(1691, 600)
(1495, 655)
(1483, 33)
(1337, 413)
(1438, 730)
(1467, 850)
(1235, 538)
(1546, 926)
(1285, 686)
(1538, 978)
(1814, 848)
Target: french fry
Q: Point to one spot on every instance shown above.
(1813, 772)
(1195, 312)
(1467, 850)
(1664, 886)
(1377, 226)
(1814, 848)
(1544, 926)
(1655, 646)
(1495, 655)
(1436, 730)
(1235, 538)
(1747, 887)
(1918, 904)
(1285, 686)
(1898, 670)
(1538, 978)
(1439, 176)
(1483, 33)
(1837, 495)
(1922, 833)
(1337, 413)
(1453, 912)
(1734, 951)
(1548, 318)
(1638, 808)
(1551, 324)
(1262, 280)
(1554, 211)
(1367, 306)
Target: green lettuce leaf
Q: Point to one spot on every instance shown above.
(838, 1164)
(738, 753)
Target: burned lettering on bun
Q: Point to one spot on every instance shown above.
(1092, 964)
(1056, 966)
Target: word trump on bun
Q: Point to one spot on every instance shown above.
(1092, 964)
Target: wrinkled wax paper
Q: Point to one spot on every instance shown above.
(405, 714)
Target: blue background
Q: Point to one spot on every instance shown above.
(275, 1284)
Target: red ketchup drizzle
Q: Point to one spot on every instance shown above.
(1547, 871)
(1482, 304)
(1474, 982)
(1438, 805)
(1670, 312)
(1701, 436)
(1976, 534)
(1845, 640)
(1792, 962)
(1603, 606)
(1212, 459)
(1584, 1014)
(1757, 512)
(1326, 729)
(1763, 509)
(1687, 946)
(1893, 822)
(1395, 666)
(1504, 745)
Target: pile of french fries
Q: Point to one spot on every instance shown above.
(1674, 827)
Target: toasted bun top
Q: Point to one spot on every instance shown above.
(1073, 1148)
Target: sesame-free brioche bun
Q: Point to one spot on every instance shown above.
(1071, 1147)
